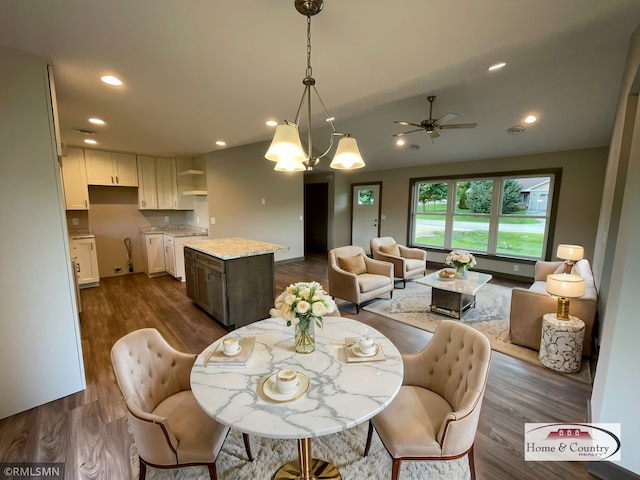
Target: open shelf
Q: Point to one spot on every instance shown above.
(195, 192)
(190, 172)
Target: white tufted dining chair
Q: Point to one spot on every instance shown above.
(435, 414)
(169, 427)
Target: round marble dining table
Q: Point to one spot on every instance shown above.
(340, 394)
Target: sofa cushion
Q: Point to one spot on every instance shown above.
(369, 282)
(353, 264)
(391, 249)
(560, 269)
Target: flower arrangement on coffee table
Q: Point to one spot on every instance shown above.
(462, 261)
(304, 304)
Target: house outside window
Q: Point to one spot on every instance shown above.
(497, 215)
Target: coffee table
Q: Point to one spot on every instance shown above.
(340, 394)
(453, 297)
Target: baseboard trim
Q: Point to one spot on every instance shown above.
(289, 260)
(610, 471)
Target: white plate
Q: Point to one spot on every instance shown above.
(271, 391)
(355, 349)
(231, 354)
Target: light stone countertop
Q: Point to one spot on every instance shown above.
(229, 248)
(340, 394)
(175, 230)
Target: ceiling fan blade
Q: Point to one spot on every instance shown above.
(404, 133)
(459, 125)
(447, 117)
(406, 124)
(434, 134)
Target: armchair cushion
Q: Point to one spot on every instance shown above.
(369, 282)
(355, 264)
(391, 249)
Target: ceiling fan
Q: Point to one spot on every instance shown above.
(431, 125)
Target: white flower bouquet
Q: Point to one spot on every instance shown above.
(302, 302)
(461, 258)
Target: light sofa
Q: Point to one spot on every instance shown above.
(529, 305)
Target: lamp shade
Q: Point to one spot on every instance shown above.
(287, 165)
(565, 285)
(347, 155)
(570, 252)
(286, 145)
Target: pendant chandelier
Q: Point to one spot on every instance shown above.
(286, 147)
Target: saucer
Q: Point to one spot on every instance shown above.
(271, 391)
(355, 349)
(232, 354)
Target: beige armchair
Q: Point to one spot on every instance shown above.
(169, 427)
(357, 278)
(435, 414)
(407, 262)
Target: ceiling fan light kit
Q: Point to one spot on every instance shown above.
(286, 147)
(431, 125)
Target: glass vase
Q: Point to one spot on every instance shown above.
(461, 271)
(305, 336)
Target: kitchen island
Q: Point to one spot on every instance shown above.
(232, 279)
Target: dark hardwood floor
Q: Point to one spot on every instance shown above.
(87, 431)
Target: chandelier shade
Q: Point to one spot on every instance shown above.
(286, 147)
(347, 155)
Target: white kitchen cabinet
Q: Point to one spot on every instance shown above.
(169, 255)
(74, 180)
(111, 169)
(85, 256)
(166, 182)
(153, 254)
(147, 190)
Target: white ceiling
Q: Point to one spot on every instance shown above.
(197, 71)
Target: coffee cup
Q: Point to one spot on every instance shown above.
(230, 346)
(287, 380)
(366, 345)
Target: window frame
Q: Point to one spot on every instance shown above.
(494, 216)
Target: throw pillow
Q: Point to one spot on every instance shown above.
(353, 264)
(391, 249)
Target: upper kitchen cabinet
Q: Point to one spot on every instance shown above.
(111, 169)
(74, 180)
(147, 190)
(162, 186)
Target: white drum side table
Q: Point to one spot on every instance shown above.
(561, 343)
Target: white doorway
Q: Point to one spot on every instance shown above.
(365, 214)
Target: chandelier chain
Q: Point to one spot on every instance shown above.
(309, 69)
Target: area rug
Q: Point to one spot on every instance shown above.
(411, 305)
(343, 449)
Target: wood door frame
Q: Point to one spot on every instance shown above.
(359, 184)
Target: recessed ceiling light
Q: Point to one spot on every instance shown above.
(272, 123)
(331, 119)
(111, 80)
(496, 66)
(90, 141)
(96, 121)
(530, 119)
(221, 143)
(400, 142)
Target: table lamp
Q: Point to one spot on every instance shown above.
(565, 287)
(570, 254)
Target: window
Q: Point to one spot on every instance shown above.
(365, 197)
(505, 216)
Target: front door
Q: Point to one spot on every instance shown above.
(365, 214)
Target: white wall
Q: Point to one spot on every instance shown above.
(40, 353)
(237, 181)
(616, 387)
